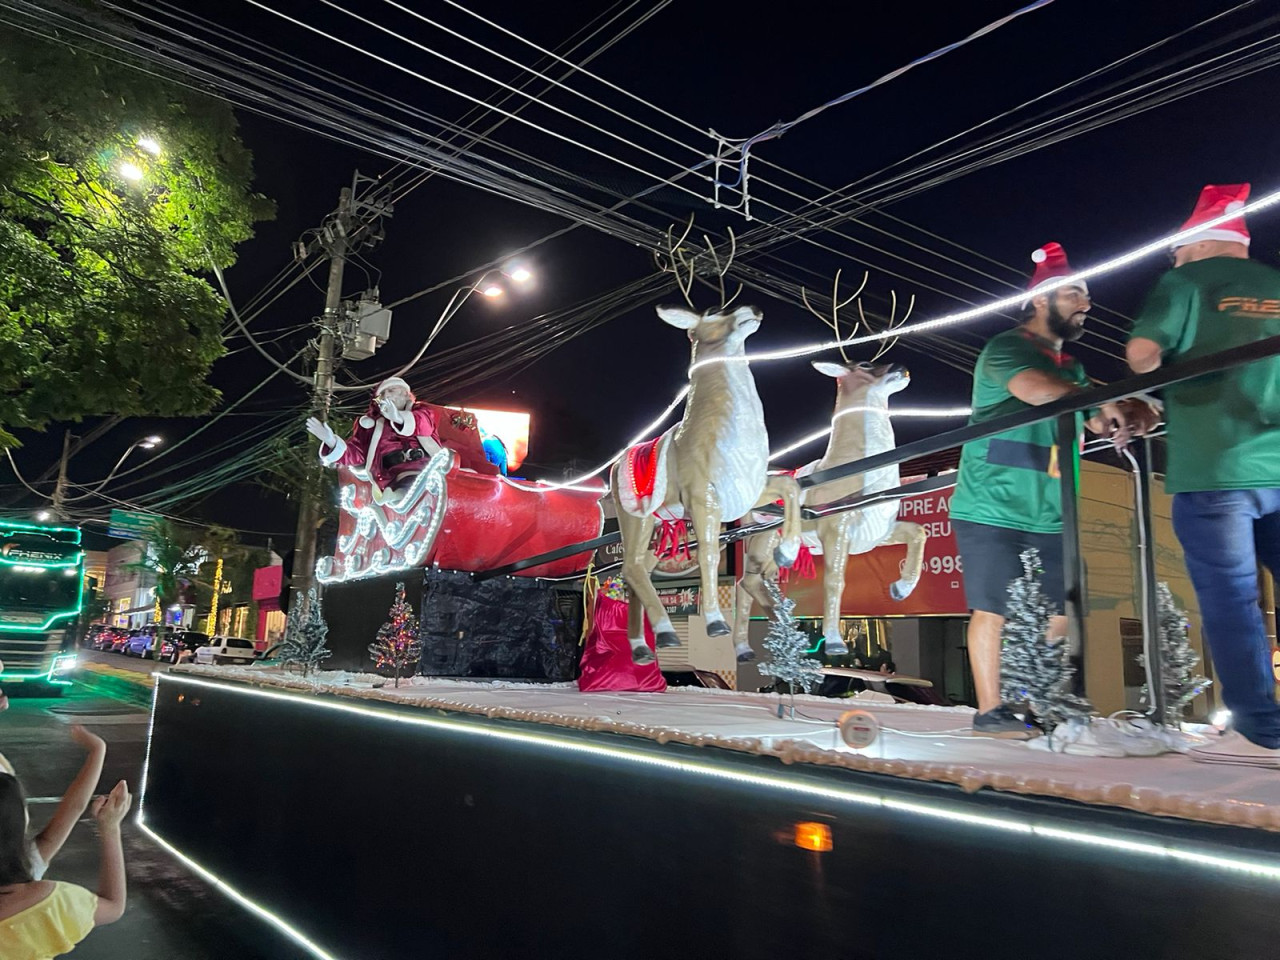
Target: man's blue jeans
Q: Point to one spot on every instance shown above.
(1224, 535)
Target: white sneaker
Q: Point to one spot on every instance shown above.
(1234, 748)
(1082, 739)
(1139, 736)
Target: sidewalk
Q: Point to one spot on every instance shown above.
(133, 685)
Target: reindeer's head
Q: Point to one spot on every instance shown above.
(864, 382)
(719, 332)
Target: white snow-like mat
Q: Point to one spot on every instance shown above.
(917, 742)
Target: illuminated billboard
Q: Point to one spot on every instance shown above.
(509, 426)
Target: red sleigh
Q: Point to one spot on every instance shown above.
(459, 515)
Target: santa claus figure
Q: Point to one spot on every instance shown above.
(391, 443)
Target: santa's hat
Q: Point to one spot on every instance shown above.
(1215, 201)
(1051, 265)
(390, 382)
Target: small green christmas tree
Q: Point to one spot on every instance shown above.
(305, 643)
(787, 647)
(398, 644)
(1178, 659)
(1035, 670)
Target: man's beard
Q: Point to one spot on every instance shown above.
(1061, 327)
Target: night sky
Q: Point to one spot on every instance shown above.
(1098, 193)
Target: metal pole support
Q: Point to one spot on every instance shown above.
(1153, 654)
(1072, 558)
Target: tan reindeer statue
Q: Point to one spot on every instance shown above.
(860, 427)
(709, 469)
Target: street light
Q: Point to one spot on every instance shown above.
(149, 144)
(44, 516)
(59, 497)
(130, 171)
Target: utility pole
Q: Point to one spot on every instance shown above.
(60, 489)
(346, 229)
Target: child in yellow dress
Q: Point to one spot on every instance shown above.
(42, 919)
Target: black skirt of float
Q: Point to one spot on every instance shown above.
(507, 628)
(467, 838)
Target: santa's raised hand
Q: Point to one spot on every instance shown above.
(321, 431)
(390, 410)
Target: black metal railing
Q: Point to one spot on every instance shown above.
(1064, 410)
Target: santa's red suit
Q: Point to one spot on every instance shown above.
(387, 451)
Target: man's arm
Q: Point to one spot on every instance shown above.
(1163, 324)
(1038, 387)
(76, 800)
(1143, 355)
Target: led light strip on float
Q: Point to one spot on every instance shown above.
(953, 813)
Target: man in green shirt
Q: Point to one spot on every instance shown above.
(1224, 456)
(1008, 496)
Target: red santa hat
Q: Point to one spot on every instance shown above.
(1215, 201)
(1051, 265)
(390, 382)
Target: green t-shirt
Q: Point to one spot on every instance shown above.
(1224, 428)
(1012, 479)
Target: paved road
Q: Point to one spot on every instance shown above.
(172, 914)
(121, 662)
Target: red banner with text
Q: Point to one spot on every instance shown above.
(868, 575)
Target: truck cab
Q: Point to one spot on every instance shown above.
(41, 594)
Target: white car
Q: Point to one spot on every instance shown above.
(226, 650)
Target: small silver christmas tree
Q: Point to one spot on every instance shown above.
(305, 644)
(1178, 659)
(787, 646)
(1033, 669)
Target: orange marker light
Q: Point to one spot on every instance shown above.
(813, 836)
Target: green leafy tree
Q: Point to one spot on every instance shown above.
(118, 190)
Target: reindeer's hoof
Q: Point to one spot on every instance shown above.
(666, 638)
(901, 589)
(642, 655)
(744, 653)
(834, 648)
(718, 628)
(785, 556)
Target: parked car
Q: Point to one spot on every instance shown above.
(119, 640)
(106, 639)
(183, 645)
(138, 644)
(226, 650)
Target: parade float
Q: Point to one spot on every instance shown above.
(479, 814)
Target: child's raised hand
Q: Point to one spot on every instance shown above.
(88, 741)
(108, 811)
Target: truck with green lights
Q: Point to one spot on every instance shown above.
(41, 595)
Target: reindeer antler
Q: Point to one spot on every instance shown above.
(836, 305)
(722, 270)
(678, 263)
(887, 344)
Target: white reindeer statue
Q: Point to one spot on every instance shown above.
(709, 469)
(860, 427)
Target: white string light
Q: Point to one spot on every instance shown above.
(932, 413)
(1016, 301)
(645, 434)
